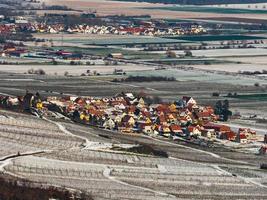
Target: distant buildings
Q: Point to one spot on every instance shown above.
(20, 24)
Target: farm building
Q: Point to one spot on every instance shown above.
(115, 55)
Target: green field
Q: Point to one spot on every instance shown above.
(192, 61)
(254, 97)
(103, 51)
(200, 38)
(205, 9)
(130, 41)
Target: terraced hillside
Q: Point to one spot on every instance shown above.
(82, 158)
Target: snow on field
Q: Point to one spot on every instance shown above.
(257, 6)
(222, 52)
(165, 176)
(198, 75)
(23, 134)
(255, 60)
(109, 175)
(233, 67)
(72, 70)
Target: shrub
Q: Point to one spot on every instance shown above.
(145, 79)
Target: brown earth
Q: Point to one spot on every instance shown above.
(105, 7)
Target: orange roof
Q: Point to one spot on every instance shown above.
(175, 127)
(162, 108)
(204, 114)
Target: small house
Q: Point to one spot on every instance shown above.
(115, 55)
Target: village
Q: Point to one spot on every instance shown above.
(142, 28)
(130, 114)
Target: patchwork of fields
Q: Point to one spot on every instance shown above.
(158, 10)
(203, 61)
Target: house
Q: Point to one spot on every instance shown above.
(250, 135)
(115, 55)
(118, 72)
(171, 118)
(209, 133)
(146, 128)
(189, 101)
(129, 96)
(126, 128)
(176, 130)
(52, 30)
(162, 108)
(173, 108)
(162, 130)
(206, 116)
(141, 103)
(128, 120)
(166, 131)
(241, 138)
(109, 124)
(217, 127)
(9, 47)
(185, 120)
(161, 119)
(18, 53)
(21, 20)
(231, 136)
(84, 116)
(118, 119)
(194, 130)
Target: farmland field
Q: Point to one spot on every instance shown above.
(244, 6)
(202, 76)
(206, 9)
(217, 38)
(102, 40)
(253, 97)
(220, 53)
(128, 41)
(73, 70)
(233, 67)
(138, 8)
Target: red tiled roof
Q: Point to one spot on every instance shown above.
(175, 128)
(242, 136)
(217, 127)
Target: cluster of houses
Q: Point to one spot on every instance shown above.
(7, 28)
(10, 49)
(15, 50)
(146, 31)
(127, 113)
(102, 30)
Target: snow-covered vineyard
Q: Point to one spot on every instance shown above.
(78, 157)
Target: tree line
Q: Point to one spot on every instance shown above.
(12, 189)
(144, 79)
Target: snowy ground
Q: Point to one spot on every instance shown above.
(119, 175)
